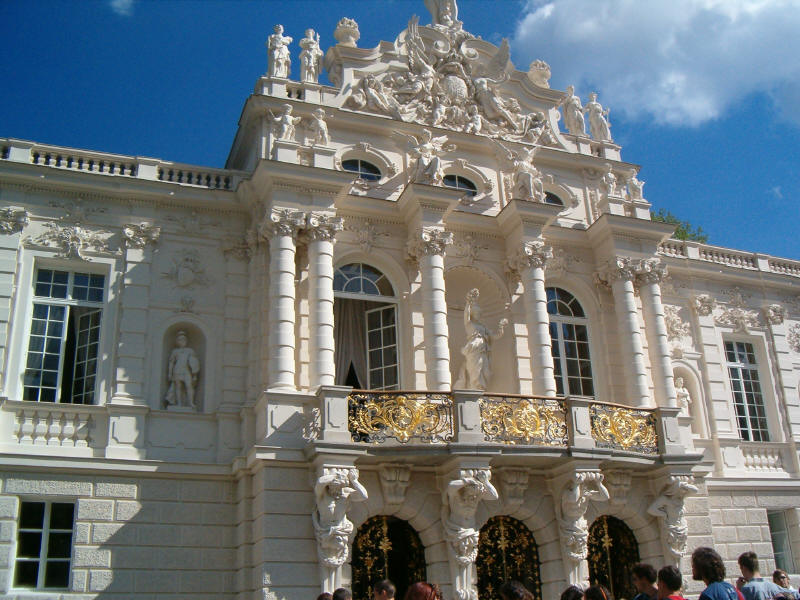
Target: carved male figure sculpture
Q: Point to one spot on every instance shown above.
(334, 491)
(477, 370)
(670, 507)
(279, 59)
(461, 500)
(183, 370)
(310, 57)
(573, 526)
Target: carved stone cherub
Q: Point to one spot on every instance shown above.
(318, 128)
(284, 123)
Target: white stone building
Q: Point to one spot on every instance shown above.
(180, 346)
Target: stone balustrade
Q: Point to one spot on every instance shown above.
(46, 424)
(730, 258)
(118, 165)
(761, 457)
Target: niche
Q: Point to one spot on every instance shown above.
(184, 368)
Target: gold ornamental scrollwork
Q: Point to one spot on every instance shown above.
(376, 416)
(531, 421)
(624, 428)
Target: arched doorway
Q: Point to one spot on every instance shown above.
(507, 551)
(386, 548)
(613, 550)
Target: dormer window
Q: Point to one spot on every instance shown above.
(364, 169)
(457, 182)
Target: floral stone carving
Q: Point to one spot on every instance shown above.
(187, 270)
(71, 241)
(138, 235)
(13, 220)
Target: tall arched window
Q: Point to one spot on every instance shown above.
(569, 333)
(365, 325)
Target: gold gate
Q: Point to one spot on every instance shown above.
(386, 548)
(507, 551)
(613, 550)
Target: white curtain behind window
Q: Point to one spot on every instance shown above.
(351, 339)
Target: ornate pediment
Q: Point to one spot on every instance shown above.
(440, 75)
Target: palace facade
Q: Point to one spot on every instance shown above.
(416, 328)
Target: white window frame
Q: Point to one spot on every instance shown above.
(764, 382)
(788, 562)
(383, 367)
(46, 530)
(22, 311)
(583, 321)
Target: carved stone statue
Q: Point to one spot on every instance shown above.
(609, 182)
(669, 506)
(444, 13)
(426, 152)
(539, 73)
(278, 48)
(284, 123)
(476, 372)
(573, 113)
(335, 489)
(527, 180)
(634, 187)
(573, 527)
(461, 500)
(310, 57)
(183, 370)
(684, 397)
(598, 119)
(319, 128)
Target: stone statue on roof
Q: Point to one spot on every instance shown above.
(444, 13)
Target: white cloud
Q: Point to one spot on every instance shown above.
(123, 8)
(777, 192)
(679, 62)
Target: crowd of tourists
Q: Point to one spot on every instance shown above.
(666, 584)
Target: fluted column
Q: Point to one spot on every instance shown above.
(529, 262)
(428, 246)
(649, 276)
(321, 230)
(620, 275)
(280, 227)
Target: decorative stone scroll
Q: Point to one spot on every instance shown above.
(429, 240)
(138, 235)
(72, 241)
(669, 508)
(620, 268)
(320, 226)
(281, 221)
(460, 503)
(13, 220)
(532, 255)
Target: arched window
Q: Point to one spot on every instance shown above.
(551, 198)
(569, 333)
(365, 324)
(457, 182)
(364, 169)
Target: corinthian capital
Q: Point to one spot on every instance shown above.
(532, 255)
(320, 226)
(620, 268)
(651, 270)
(281, 221)
(429, 240)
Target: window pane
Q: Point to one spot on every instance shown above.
(59, 545)
(61, 515)
(56, 574)
(29, 544)
(31, 515)
(26, 573)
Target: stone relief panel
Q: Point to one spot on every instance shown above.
(187, 270)
(737, 314)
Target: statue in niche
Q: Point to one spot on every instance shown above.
(573, 527)
(573, 113)
(598, 119)
(527, 180)
(460, 504)
(319, 128)
(427, 151)
(183, 370)
(476, 372)
(683, 395)
(279, 59)
(310, 57)
(284, 123)
(334, 491)
(669, 506)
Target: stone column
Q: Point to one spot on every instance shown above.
(529, 262)
(321, 230)
(428, 247)
(650, 274)
(620, 275)
(280, 226)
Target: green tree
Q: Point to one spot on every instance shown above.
(684, 229)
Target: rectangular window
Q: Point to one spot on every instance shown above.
(61, 365)
(781, 545)
(44, 545)
(748, 401)
(382, 359)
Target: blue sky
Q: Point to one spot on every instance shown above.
(703, 93)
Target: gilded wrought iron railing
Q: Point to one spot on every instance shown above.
(621, 428)
(513, 419)
(374, 417)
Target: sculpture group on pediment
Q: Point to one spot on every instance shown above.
(449, 84)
